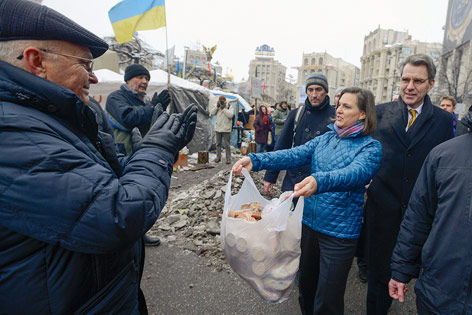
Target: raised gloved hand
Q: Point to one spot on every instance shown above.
(163, 98)
(190, 123)
(136, 137)
(167, 133)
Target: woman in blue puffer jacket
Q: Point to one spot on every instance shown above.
(343, 161)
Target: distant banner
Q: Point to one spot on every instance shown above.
(458, 24)
(256, 87)
(302, 94)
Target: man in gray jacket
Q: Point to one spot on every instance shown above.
(224, 124)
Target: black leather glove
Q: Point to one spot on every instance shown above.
(163, 98)
(166, 133)
(190, 122)
(136, 137)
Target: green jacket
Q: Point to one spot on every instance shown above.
(279, 117)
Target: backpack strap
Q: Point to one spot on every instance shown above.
(300, 112)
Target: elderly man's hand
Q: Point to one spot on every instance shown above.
(306, 187)
(136, 137)
(397, 290)
(190, 122)
(166, 133)
(163, 98)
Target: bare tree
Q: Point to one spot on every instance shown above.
(134, 51)
(455, 76)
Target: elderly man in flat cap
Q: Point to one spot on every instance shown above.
(72, 215)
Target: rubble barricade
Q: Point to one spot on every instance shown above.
(262, 249)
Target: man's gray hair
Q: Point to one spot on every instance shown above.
(10, 50)
(421, 60)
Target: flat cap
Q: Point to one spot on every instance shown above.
(22, 19)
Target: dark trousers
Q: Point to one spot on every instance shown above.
(378, 298)
(260, 147)
(219, 136)
(324, 266)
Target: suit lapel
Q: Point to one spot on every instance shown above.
(422, 124)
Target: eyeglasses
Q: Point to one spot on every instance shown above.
(86, 63)
(416, 82)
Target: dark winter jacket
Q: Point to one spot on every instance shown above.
(261, 130)
(125, 110)
(342, 167)
(403, 154)
(461, 128)
(312, 123)
(434, 243)
(69, 226)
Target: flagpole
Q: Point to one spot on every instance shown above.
(167, 52)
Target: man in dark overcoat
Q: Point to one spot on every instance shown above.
(408, 129)
(434, 240)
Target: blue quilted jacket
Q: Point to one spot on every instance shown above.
(342, 167)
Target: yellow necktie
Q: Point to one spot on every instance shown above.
(413, 117)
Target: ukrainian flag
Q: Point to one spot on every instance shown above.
(130, 16)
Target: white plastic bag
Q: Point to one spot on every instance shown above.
(265, 253)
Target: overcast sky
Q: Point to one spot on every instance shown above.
(290, 27)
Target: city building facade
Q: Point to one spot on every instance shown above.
(272, 75)
(455, 73)
(383, 54)
(337, 71)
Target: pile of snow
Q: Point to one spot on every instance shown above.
(105, 75)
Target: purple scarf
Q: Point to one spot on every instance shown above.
(354, 129)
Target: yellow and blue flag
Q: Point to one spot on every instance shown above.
(130, 16)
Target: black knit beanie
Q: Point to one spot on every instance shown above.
(134, 70)
(318, 79)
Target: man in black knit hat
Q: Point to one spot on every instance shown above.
(128, 107)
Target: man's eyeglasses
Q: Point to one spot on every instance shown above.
(416, 82)
(87, 63)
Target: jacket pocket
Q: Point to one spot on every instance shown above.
(118, 296)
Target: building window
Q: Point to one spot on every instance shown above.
(306, 61)
(321, 61)
(313, 61)
(408, 50)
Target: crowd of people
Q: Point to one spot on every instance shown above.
(387, 182)
(81, 186)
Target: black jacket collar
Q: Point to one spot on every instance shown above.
(24, 88)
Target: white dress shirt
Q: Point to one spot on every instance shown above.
(418, 112)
